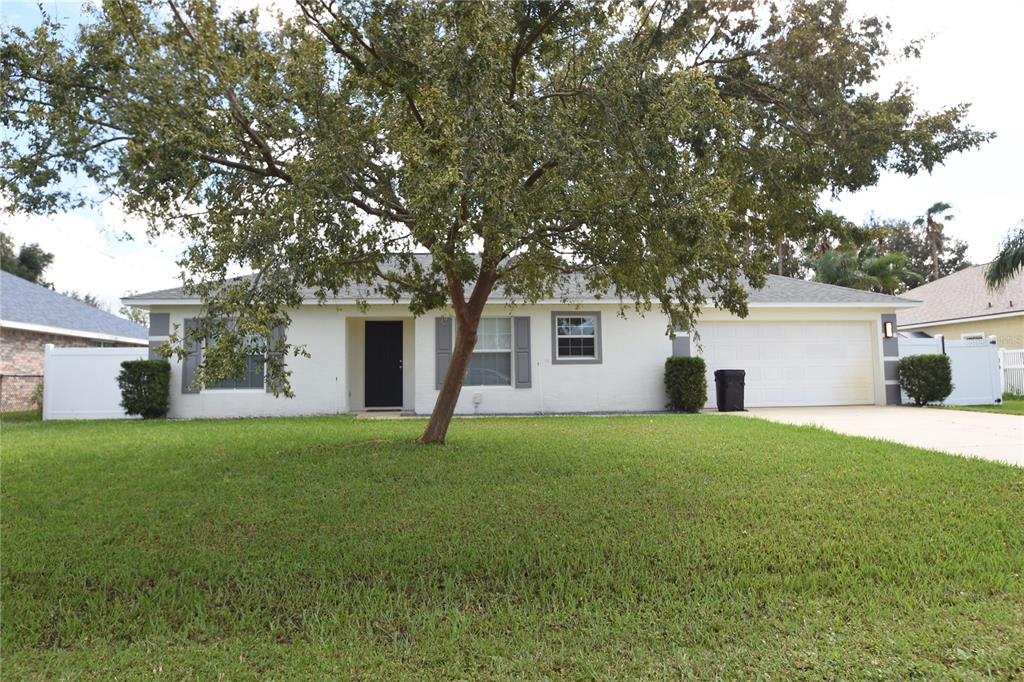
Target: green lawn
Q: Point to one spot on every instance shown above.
(659, 547)
(1010, 405)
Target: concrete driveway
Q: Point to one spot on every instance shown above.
(998, 437)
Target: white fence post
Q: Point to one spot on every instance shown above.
(1002, 371)
(47, 349)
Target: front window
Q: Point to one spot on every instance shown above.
(576, 337)
(252, 376)
(491, 364)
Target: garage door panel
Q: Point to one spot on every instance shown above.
(793, 363)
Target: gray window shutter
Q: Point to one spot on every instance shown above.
(681, 346)
(159, 324)
(442, 348)
(276, 337)
(521, 348)
(190, 364)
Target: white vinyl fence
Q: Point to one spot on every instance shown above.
(81, 383)
(977, 379)
(1012, 362)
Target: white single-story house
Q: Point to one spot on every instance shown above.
(803, 343)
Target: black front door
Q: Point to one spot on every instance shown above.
(383, 364)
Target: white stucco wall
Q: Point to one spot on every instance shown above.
(319, 381)
(629, 378)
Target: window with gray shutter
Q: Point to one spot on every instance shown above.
(491, 361)
(253, 373)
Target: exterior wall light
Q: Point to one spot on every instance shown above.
(887, 330)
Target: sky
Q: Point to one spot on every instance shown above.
(973, 54)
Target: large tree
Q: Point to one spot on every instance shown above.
(900, 235)
(806, 242)
(643, 147)
(865, 267)
(29, 262)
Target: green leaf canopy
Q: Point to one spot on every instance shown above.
(642, 147)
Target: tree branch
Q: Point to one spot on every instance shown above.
(524, 46)
(336, 45)
(538, 173)
(236, 109)
(415, 111)
(355, 61)
(238, 165)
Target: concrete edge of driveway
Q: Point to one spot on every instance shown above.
(994, 437)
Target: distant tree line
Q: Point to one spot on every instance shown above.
(885, 256)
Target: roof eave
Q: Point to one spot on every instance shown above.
(896, 303)
(957, 320)
(78, 333)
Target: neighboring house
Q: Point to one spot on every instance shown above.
(961, 306)
(802, 344)
(32, 316)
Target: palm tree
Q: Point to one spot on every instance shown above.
(865, 268)
(933, 231)
(1010, 260)
(890, 270)
(843, 267)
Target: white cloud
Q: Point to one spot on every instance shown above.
(974, 54)
(89, 258)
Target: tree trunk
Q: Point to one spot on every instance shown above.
(934, 238)
(444, 408)
(467, 319)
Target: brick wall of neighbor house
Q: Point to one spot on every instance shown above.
(17, 393)
(22, 354)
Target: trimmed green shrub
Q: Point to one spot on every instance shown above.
(687, 384)
(145, 387)
(926, 378)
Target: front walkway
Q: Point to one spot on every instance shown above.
(998, 437)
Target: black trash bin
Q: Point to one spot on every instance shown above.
(729, 389)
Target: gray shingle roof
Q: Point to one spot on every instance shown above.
(777, 290)
(961, 295)
(780, 289)
(25, 302)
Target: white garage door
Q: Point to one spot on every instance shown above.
(793, 363)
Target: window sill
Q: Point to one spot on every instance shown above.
(216, 391)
